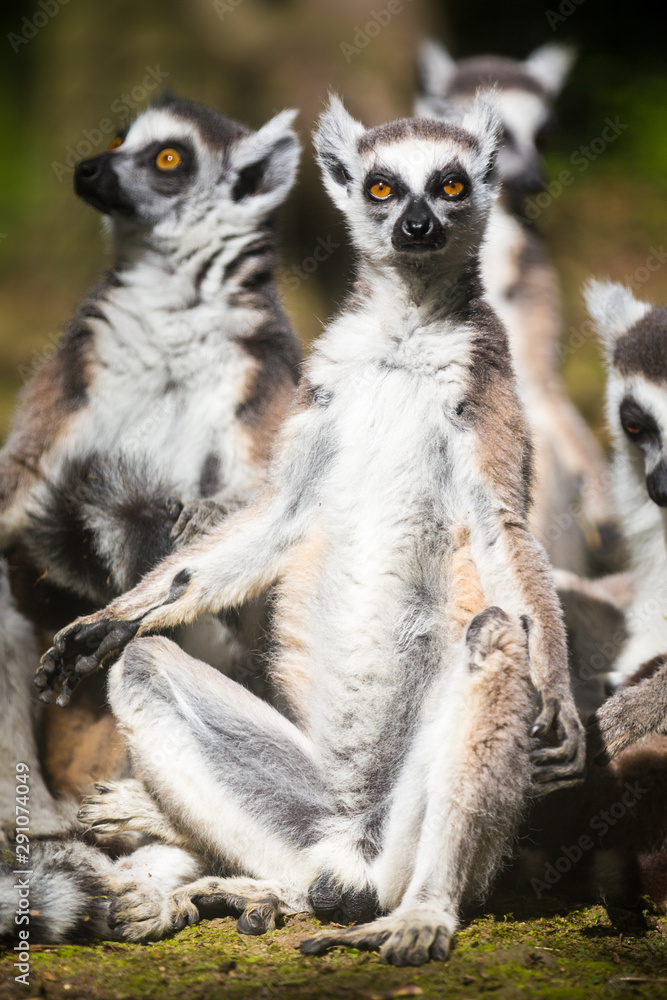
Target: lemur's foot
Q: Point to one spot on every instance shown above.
(261, 904)
(142, 915)
(493, 631)
(125, 806)
(562, 764)
(79, 650)
(195, 519)
(408, 938)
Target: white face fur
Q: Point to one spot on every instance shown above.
(179, 162)
(524, 93)
(634, 336)
(411, 190)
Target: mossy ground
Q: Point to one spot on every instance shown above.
(552, 951)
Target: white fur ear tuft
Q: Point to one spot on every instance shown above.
(335, 140)
(614, 309)
(266, 162)
(550, 65)
(482, 119)
(435, 68)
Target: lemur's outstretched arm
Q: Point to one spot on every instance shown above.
(236, 560)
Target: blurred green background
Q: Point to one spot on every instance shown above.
(66, 66)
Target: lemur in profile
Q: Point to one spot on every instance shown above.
(418, 639)
(165, 390)
(571, 516)
(634, 335)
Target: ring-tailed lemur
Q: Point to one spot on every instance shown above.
(634, 335)
(571, 514)
(169, 382)
(394, 519)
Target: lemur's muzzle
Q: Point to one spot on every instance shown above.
(96, 182)
(418, 230)
(656, 484)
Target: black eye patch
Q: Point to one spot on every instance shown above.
(639, 425)
(168, 181)
(450, 184)
(383, 186)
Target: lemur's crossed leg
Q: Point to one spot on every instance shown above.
(230, 769)
(458, 801)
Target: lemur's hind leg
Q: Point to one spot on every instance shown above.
(458, 801)
(224, 766)
(119, 807)
(19, 658)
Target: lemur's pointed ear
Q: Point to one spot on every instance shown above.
(483, 121)
(335, 140)
(435, 68)
(550, 65)
(265, 162)
(614, 309)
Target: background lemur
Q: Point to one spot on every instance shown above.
(169, 382)
(628, 734)
(571, 510)
(634, 336)
(394, 516)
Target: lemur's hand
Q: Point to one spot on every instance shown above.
(561, 764)
(197, 518)
(79, 650)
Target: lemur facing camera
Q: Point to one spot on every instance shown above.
(419, 641)
(634, 335)
(165, 390)
(571, 516)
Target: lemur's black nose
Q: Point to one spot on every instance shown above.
(88, 170)
(417, 226)
(656, 484)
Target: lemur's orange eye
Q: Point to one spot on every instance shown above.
(115, 143)
(454, 188)
(380, 190)
(167, 159)
(633, 428)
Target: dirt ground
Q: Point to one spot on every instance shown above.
(521, 949)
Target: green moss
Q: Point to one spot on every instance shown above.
(558, 954)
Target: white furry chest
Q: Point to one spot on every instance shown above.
(169, 402)
(399, 479)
